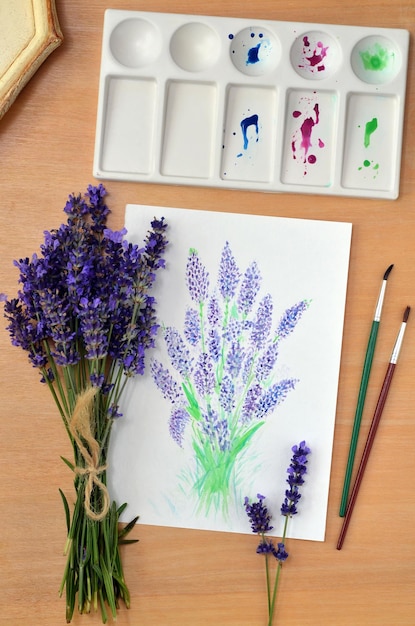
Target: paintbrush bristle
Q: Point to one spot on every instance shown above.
(388, 271)
(406, 314)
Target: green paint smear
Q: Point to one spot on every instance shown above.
(376, 60)
(370, 128)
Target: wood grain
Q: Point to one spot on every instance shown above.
(180, 577)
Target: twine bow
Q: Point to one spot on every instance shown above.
(81, 430)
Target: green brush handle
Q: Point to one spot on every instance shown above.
(358, 416)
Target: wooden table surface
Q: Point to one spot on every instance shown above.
(180, 577)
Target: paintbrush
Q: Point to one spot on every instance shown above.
(362, 391)
(373, 427)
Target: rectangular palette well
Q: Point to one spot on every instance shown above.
(251, 104)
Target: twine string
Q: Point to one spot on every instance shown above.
(81, 430)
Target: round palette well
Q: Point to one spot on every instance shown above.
(376, 60)
(315, 55)
(255, 51)
(195, 47)
(135, 42)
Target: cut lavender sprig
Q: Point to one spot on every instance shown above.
(260, 519)
(85, 317)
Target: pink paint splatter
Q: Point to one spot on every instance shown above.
(318, 54)
(306, 131)
(307, 128)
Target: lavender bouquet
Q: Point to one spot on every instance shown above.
(85, 317)
(260, 519)
(222, 384)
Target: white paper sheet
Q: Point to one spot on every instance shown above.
(299, 261)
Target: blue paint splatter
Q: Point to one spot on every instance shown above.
(245, 124)
(253, 55)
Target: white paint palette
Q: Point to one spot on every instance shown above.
(251, 104)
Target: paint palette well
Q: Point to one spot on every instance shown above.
(251, 104)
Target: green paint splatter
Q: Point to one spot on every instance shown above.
(370, 128)
(374, 167)
(376, 59)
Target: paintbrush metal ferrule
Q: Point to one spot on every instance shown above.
(399, 339)
(381, 298)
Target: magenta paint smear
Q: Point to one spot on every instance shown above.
(305, 133)
(313, 57)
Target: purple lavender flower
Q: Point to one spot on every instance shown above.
(249, 289)
(290, 319)
(280, 554)
(234, 359)
(179, 355)
(213, 343)
(229, 274)
(93, 326)
(24, 333)
(227, 394)
(266, 362)
(197, 277)
(203, 375)
(97, 208)
(262, 324)
(179, 419)
(216, 430)
(258, 515)
(250, 405)
(265, 546)
(213, 311)
(296, 471)
(274, 396)
(170, 389)
(192, 330)
(234, 330)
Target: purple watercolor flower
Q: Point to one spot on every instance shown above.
(229, 274)
(213, 343)
(250, 405)
(179, 418)
(266, 362)
(178, 353)
(216, 430)
(197, 278)
(274, 396)
(234, 359)
(213, 311)
(227, 394)
(291, 318)
(203, 375)
(192, 330)
(262, 324)
(249, 289)
(170, 389)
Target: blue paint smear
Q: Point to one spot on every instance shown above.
(249, 121)
(253, 55)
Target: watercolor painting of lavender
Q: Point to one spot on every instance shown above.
(246, 362)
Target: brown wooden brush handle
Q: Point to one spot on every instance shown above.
(366, 452)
